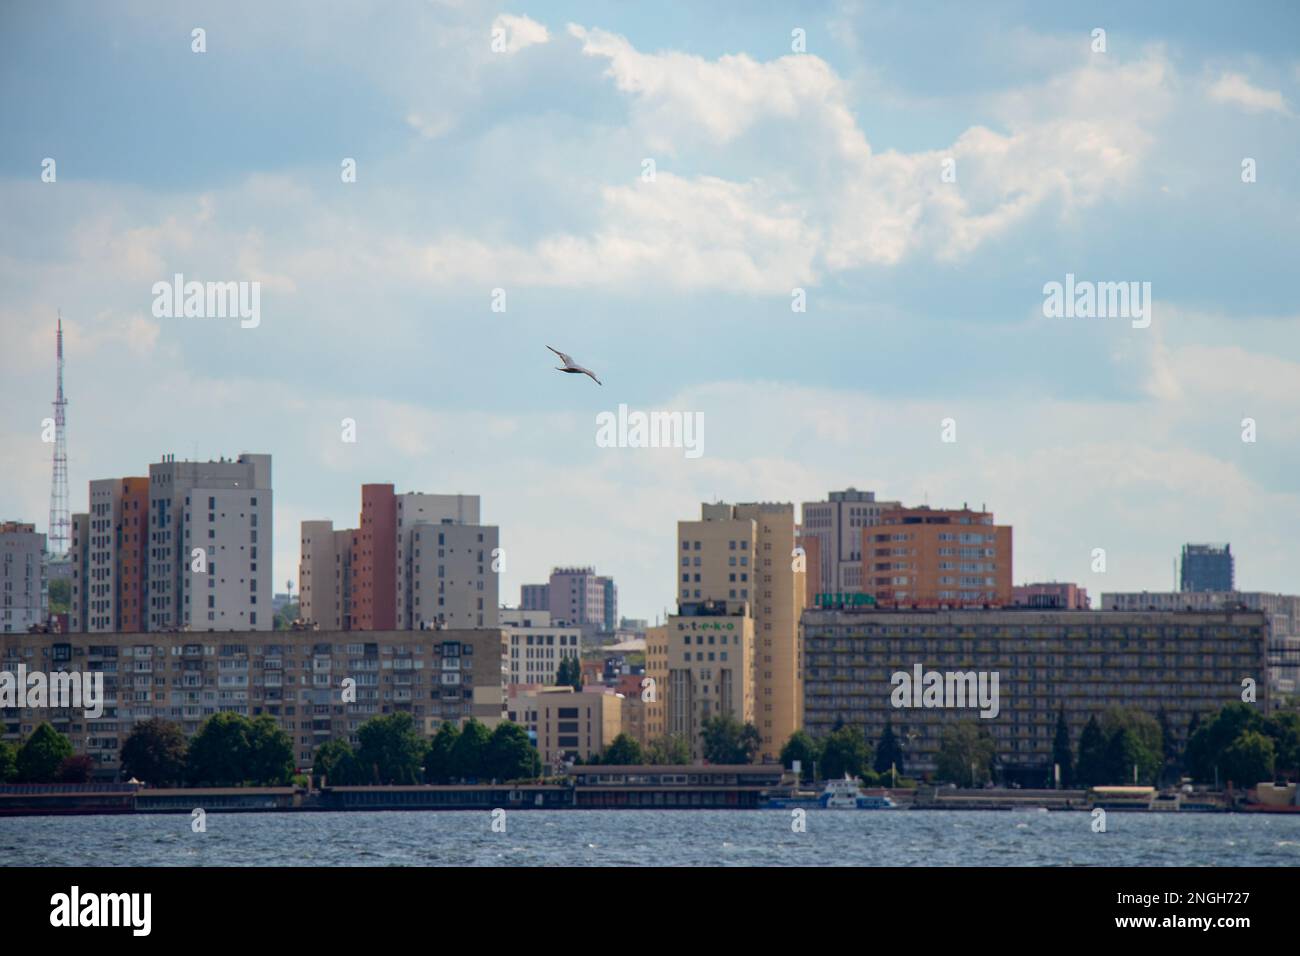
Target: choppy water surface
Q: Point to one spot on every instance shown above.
(655, 838)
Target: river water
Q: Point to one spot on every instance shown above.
(655, 838)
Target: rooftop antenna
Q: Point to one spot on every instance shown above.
(57, 540)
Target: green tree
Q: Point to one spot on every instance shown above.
(469, 755)
(511, 755)
(1092, 755)
(1284, 729)
(1248, 760)
(391, 749)
(154, 753)
(844, 751)
(569, 674)
(270, 753)
(439, 763)
(623, 751)
(60, 596)
(966, 752)
(803, 748)
(725, 740)
(8, 761)
(219, 753)
(669, 750)
(889, 752)
(42, 754)
(78, 768)
(335, 764)
(1145, 751)
(1124, 755)
(1169, 753)
(1205, 747)
(1062, 756)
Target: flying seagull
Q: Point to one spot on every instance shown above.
(570, 366)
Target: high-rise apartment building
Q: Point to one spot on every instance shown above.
(417, 561)
(210, 545)
(925, 557)
(1206, 567)
(23, 596)
(325, 575)
(111, 561)
(743, 556)
(837, 525)
(711, 665)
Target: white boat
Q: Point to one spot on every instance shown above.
(847, 795)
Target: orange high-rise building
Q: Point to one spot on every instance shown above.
(374, 561)
(925, 557)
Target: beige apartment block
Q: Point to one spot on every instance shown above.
(710, 669)
(568, 723)
(294, 676)
(656, 669)
(325, 575)
(744, 555)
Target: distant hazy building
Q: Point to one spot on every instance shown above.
(837, 525)
(1085, 662)
(1206, 567)
(223, 509)
(23, 596)
(1051, 595)
(535, 597)
(928, 557)
(535, 646)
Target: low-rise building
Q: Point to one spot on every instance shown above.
(536, 646)
(568, 724)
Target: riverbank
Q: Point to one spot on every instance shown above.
(110, 799)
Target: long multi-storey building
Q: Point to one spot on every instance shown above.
(1181, 663)
(925, 557)
(23, 589)
(837, 525)
(742, 556)
(294, 676)
(1282, 611)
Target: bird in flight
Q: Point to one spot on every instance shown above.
(571, 366)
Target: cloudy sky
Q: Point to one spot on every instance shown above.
(523, 168)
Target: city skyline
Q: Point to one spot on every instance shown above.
(523, 170)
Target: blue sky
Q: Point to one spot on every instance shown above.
(775, 170)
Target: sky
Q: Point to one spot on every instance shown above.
(648, 185)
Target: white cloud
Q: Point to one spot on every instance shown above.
(519, 32)
(1234, 88)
